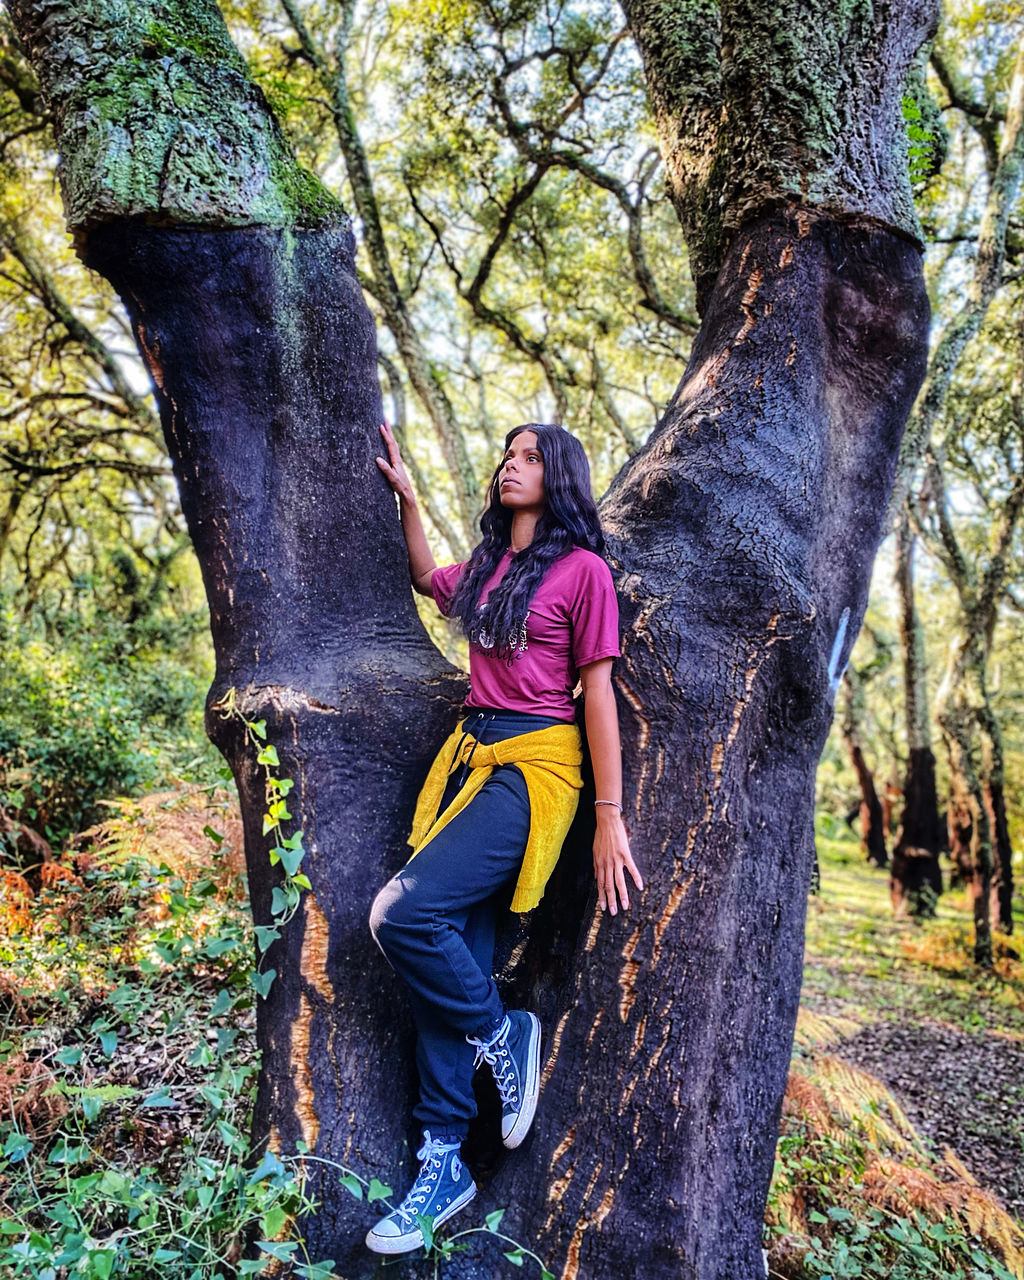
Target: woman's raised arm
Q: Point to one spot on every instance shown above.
(421, 562)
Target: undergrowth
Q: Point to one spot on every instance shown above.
(127, 1063)
(128, 1070)
(858, 1193)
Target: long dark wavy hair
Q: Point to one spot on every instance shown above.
(570, 520)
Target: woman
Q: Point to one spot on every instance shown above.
(537, 603)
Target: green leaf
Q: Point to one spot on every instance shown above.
(262, 982)
(17, 1147)
(69, 1057)
(426, 1225)
(278, 901)
(92, 1105)
(159, 1098)
(378, 1191)
(284, 785)
(493, 1220)
(222, 1004)
(259, 728)
(252, 1267)
(274, 1221)
(101, 1262)
(352, 1185)
(108, 1042)
(266, 935)
(302, 881)
(219, 945)
(293, 841)
(515, 1257)
(291, 858)
(215, 836)
(282, 1249)
(316, 1270)
(545, 1274)
(268, 755)
(268, 1166)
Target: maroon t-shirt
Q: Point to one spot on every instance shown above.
(573, 619)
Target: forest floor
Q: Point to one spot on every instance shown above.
(945, 1037)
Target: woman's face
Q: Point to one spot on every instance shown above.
(521, 478)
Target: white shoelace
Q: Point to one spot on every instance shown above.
(431, 1156)
(495, 1053)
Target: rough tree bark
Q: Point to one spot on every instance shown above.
(916, 879)
(743, 534)
(871, 817)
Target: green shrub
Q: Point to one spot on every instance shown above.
(91, 711)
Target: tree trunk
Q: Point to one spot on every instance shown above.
(995, 807)
(916, 880)
(872, 819)
(960, 696)
(742, 534)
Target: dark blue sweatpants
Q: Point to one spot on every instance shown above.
(436, 921)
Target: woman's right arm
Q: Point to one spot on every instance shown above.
(421, 562)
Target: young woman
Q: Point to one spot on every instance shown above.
(537, 603)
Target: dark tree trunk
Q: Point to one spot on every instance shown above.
(743, 533)
(264, 356)
(916, 879)
(872, 819)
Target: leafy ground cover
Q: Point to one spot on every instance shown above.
(903, 1131)
(127, 1067)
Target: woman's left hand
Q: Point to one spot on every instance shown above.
(612, 859)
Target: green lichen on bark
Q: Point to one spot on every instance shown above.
(157, 117)
(768, 102)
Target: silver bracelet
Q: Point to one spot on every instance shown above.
(614, 802)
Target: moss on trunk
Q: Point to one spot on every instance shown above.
(156, 117)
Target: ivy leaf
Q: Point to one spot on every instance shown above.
(426, 1225)
(378, 1191)
(290, 858)
(222, 1004)
(262, 982)
(159, 1098)
(268, 755)
(352, 1185)
(269, 1166)
(515, 1257)
(259, 728)
(493, 1220)
(265, 936)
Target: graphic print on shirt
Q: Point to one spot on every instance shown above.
(516, 640)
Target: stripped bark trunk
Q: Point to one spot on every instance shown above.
(916, 880)
(871, 817)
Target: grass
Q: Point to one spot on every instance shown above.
(861, 961)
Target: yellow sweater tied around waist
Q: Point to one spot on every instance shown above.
(550, 761)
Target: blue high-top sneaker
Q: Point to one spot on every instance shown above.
(443, 1185)
(513, 1055)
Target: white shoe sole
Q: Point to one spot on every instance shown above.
(413, 1239)
(530, 1087)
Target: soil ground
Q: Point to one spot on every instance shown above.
(944, 1036)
